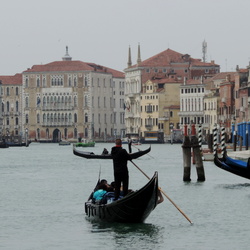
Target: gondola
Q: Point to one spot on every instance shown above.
(135, 207)
(91, 155)
(238, 167)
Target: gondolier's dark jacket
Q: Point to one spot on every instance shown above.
(120, 157)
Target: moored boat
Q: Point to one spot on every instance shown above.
(135, 207)
(237, 167)
(85, 143)
(91, 155)
(64, 143)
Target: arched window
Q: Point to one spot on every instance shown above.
(75, 101)
(38, 118)
(44, 82)
(26, 118)
(17, 106)
(8, 107)
(16, 121)
(26, 82)
(86, 117)
(44, 118)
(75, 118)
(38, 82)
(17, 92)
(44, 101)
(26, 102)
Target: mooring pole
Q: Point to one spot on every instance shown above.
(235, 141)
(223, 147)
(186, 148)
(198, 159)
(246, 138)
(200, 139)
(193, 133)
(215, 139)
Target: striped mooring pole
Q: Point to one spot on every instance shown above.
(200, 137)
(223, 147)
(215, 139)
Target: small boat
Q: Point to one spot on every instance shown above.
(18, 144)
(135, 207)
(64, 143)
(91, 155)
(84, 143)
(238, 167)
(3, 144)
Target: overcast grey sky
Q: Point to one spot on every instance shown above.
(100, 31)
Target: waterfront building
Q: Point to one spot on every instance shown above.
(11, 106)
(167, 64)
(227, 102)
(242, 93)
(214, 111)
(192, 93)
(159, 108)
(65, 100)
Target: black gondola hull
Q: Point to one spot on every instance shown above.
(236, 167)
(133, 208)
(91, 155)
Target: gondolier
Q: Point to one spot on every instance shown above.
(120, 158)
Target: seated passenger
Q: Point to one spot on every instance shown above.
(105, 151)
(98, 194)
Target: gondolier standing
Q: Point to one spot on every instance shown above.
(120, 158)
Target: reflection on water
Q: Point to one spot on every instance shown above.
(131, 236)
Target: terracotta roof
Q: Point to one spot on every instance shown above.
(221, 76)
(193, 82)
(62, 66)
(166, 80)
(168, 57)
(11, 80)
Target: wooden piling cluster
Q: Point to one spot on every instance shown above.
(195, 145)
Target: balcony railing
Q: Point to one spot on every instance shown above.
(57, 124)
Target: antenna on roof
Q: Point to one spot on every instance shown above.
(204, 50)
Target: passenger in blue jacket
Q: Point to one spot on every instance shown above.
(120, 158)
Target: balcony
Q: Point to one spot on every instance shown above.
(149, 127)
(129, 115)
(131, 95)
(164, 118)
(57, 124)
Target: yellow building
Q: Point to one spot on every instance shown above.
(159, 109)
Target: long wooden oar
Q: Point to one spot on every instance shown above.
(165, 195)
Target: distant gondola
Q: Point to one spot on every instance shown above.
(91, 155)
(135, 207)
(238, 167)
